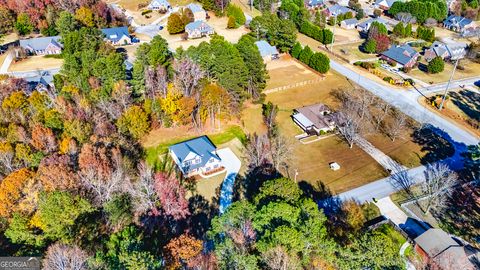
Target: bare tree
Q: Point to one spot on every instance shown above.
(401, 180)
(439, 181)
(431, 22)
(396, 128)
(187, 75)
(278, 259)
(405, 17)
(6, 160)
(383, 108)
(280, 151)
(64, 257)
(257, 150)
(348, 124)
(156, 82)
(143, 191)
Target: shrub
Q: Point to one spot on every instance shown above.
(387, 78)
(175, 24)
(436, 65)
(370, 46)
(231, 22)
(237, 13)
(146, 12)
(305, 55)
(296, 50)
(320, 62)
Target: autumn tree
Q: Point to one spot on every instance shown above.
(17, 192)
(187, 76)
(175, 24)
(215, 101)
(182, 250)
(134, 122)
(6, 158)
(171, 195)
(85, 16)
(43, 139)
(56, 172)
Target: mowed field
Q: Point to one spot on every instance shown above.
(312, 160)
(33, 63)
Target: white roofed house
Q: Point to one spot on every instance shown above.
(198, 29)
(160, 5)
(196, 156)
(384, 4)
(349, 23)
(315, 3)
(267, 51)
(337, 9)
(42, 45)
(315, 119)
(199, 13)
(364, 26)
(117, 35)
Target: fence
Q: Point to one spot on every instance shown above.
(281, 88)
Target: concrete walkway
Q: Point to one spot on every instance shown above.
(391, 211)
(6, 63)
(232, 164)
(385, 161)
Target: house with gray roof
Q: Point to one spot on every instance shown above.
(42, 82)
(198, 29)
(403, 56)
(315, 3)
(196, 156)
(459, 23)
(160, 5)
(384, 4)
(315, 119)
(267, 51)
(199, 14)
(364, 26)
(439, 249)
(349, 23)
(117, 35)
(42, 45)
(446, 50)
(337, 9)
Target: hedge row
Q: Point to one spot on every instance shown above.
(325, 36)
(318, 61)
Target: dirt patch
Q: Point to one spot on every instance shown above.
(36, 63)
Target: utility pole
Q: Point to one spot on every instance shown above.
(448, 85)
(333, 33)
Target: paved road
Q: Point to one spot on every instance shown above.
(232, 164)
(406, 101)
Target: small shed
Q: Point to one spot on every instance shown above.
(334, 166)
(267, 51)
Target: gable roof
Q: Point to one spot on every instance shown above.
(158, 3)
(195, 8)
(367, 23)
(401, 54)
(353, 21)
(265, 49)
(41, 43)
(388, 2)
(116, 33)
(314, 115)
(337, 10)
(454, 49)
(201, 146)
(459, 21)
(196, 25)
(314, 3)
(45, 79)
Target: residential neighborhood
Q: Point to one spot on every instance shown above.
(276, 135)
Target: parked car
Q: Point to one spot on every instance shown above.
(135, 40)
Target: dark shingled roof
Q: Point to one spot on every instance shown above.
(401, 54)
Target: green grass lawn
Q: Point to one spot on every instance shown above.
(154, 154)
(389, 231)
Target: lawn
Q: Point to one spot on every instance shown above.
(36, 63)
(463, 108)
(471, 69)
(157, 142)
(287, 71)
(219, 24)
(352, 52)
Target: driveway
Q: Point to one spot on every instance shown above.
(391, 211)
(232, 164)
(6, 63)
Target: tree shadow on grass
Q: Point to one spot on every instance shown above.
(468, 102)
(435, 146)
(202, 213)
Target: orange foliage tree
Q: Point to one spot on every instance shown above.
(12, 191)
(182, 249)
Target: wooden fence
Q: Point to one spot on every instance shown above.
(281, 88)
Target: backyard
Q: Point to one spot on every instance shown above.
(312, 160)
(467, 69)
(352, 52)
(35, 63)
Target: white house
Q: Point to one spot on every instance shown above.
(199, 13)
(198, 29)
(384, 4)
(160, 5)
(364, 26)
(446, 50)
(349, 23)
(314, 119)
(196, 156)
(42, 45)
(267, 51)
